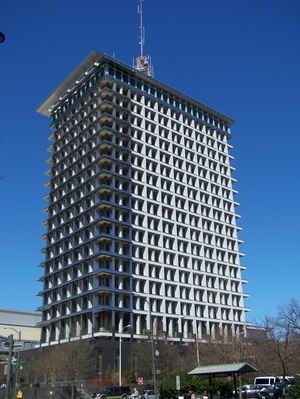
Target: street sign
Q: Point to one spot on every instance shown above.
(177, 382)
(15, 362)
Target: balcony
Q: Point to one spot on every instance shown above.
(104, 211)
(107, 107)
(49, 172)
(104, 225)
(106, 120)
(107, 94)
(105, 178)
(104, 258)
(106, 200)
(105, 241)
(50, 148)
(106, 83)
(105, 194)
(105, 149)
(105, 164)
(104, 273)
(105, 233)
(105, 134)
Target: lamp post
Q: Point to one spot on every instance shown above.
(17, 383)
(120, 354)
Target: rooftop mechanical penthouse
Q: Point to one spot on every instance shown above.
(141, 217)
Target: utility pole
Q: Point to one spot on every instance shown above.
(10, 339)
(153, 362)
(18, 365)
(17, 385)
(154, 370)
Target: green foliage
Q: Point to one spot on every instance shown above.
(294, 390)
(131, 378)
(198, 384)
(225, 389)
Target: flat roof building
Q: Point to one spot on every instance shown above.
(141, 220)
(23, 325)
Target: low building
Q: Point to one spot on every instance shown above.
(22, 324)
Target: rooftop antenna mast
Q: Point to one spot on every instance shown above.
(142, 62)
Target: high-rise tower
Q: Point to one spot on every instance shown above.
(141, 220)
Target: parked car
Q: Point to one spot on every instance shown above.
(148, 394)
(271, 392)
(250, 391)
(278, 390)
(113, 393)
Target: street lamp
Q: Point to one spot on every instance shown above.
(120, 354)
(17, 384)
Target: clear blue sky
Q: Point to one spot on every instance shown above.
(240, 57)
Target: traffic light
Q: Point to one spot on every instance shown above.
(2, 37)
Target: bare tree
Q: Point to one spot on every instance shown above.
(283, 333)
(76, 360)
(290, 314)
(280, 342)
(65, 365)
(42, 367)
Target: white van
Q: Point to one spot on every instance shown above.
(266, 381)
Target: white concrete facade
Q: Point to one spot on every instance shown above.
(141, 225)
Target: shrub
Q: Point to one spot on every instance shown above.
(294, 391)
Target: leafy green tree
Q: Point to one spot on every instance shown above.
(131, 378)
(197, 384)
